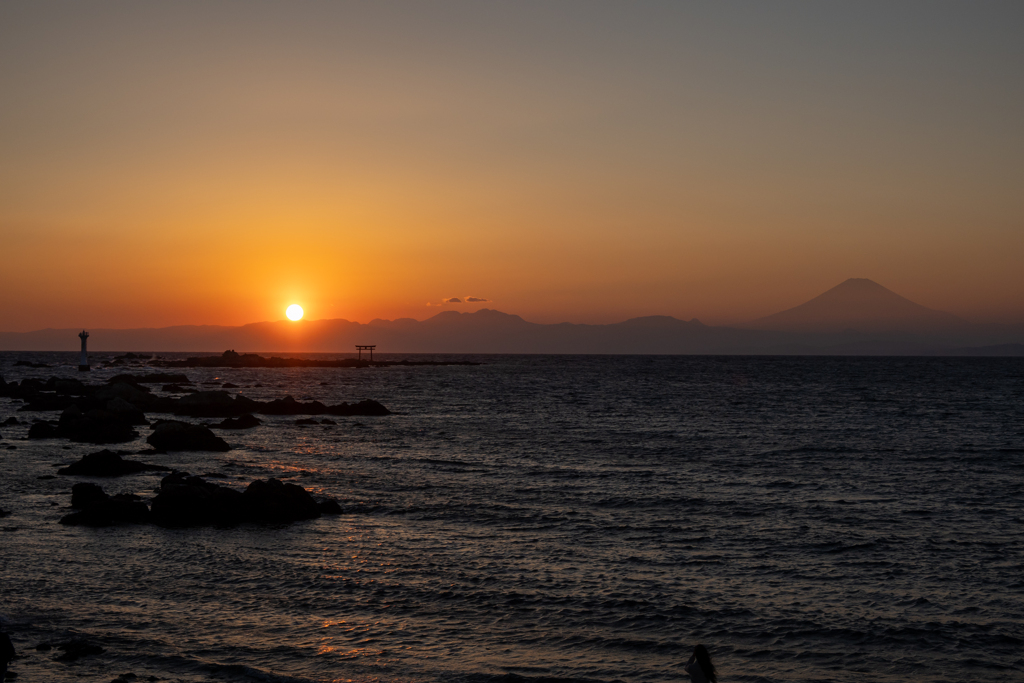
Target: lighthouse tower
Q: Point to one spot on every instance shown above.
(83, 362)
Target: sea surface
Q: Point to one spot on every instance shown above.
(556, 518)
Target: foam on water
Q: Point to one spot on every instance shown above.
(561, 519)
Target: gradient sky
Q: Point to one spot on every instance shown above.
(212, 162)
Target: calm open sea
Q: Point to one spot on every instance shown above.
(559, 517)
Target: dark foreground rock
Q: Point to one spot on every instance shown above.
(329, 507)
(106, 463)
(289, 406)
(97, 509)
(127, 401)
(93, 426)
(184, 501)
(187, 501)
(243, 422)
(223, 404)
(171, 435)
(43, 430)
(275, 502)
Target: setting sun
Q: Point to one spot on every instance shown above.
(294, 312)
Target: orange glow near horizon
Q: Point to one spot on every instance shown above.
(374, 164)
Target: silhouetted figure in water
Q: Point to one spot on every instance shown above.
(700, 668)
(6, 654)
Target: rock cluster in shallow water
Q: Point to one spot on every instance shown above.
(109, 413)
(184, 500)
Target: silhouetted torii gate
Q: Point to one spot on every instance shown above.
(365, 347)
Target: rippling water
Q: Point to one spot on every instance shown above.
(564, 518)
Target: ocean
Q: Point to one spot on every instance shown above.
(553, 519)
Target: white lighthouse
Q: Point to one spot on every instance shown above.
(83, 362)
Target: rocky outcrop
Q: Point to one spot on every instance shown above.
(43, 430)
(275, 502)
(289, 406)
(126, 411)
(84, 495)
(98, 509)
(214, 404)
(172, 435)
(243, 422)
(93, 426)
(106, 463)
(329, 506)
(187, 501)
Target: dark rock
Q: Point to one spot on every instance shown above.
(138, 396)
(171, 435)
(9, 422)
(84, 495)
(108, 464)
(68, 387)
(43, 430)
(327, 421)
(365, 407)
(46, 476)
(213, 404)
(99, 509)
(289, 406)
(40, 401)
(126, 411)
(44, 647)
(177, 389)
(95, 426)
(243, 422)
(4, 513)
(273, 501)
(306, 421)
(229, 385)
(73, 650)
(187, 501)
(329, 506)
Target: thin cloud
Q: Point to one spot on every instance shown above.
(475, 300)
(453, 300)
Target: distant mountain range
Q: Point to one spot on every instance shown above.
(857, 317)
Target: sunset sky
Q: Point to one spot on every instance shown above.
(213, 162)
